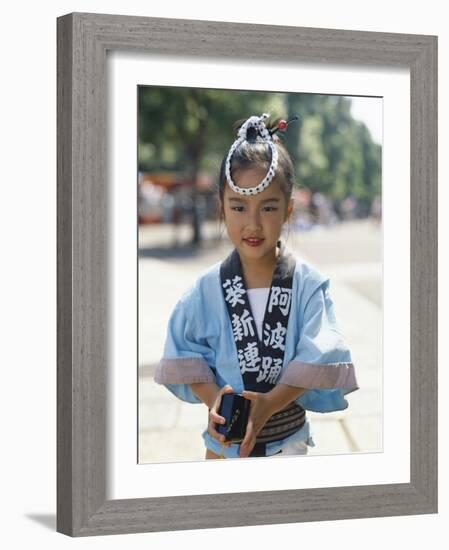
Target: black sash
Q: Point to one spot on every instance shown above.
(261, 360)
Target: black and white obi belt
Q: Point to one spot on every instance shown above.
(261, 360)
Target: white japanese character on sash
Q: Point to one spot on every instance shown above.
(242, 326)
(249, 358)
(260, 361)
(281, 297)
(234, 291)
(270, 370)
(275, 337)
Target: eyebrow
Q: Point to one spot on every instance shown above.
(237, 199)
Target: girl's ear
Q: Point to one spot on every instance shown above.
(290, 205)
(220, 210)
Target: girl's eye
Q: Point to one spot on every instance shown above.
(264, 209)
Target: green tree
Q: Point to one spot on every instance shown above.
(333, 153)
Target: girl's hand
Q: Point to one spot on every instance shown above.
(260, 411)
(215, 418)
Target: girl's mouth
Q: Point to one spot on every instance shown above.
(253, 242)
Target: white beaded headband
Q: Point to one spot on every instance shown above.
(258, 123)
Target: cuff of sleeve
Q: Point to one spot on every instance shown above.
(315, 376)
(183, 370)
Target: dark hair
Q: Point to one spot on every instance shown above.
(254, 152)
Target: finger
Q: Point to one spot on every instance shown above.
(249, 434)
(247, 447)
(250, 395)
(216, 435)
(216, 418)
(224, 389)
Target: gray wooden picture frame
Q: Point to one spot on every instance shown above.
(82, 233)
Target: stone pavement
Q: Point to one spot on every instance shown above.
(349, 253)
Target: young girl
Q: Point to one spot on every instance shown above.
(260, 323)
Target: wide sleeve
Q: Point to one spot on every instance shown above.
(187, 358)
(322, 363)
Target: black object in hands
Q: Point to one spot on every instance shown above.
(234, 408)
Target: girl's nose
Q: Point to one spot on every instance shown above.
(254, 219)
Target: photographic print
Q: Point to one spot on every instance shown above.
(214, 309)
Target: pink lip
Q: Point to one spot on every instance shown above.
(253, 242)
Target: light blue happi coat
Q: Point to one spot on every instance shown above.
(200, 347)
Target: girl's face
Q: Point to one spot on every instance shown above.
(254, 223)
